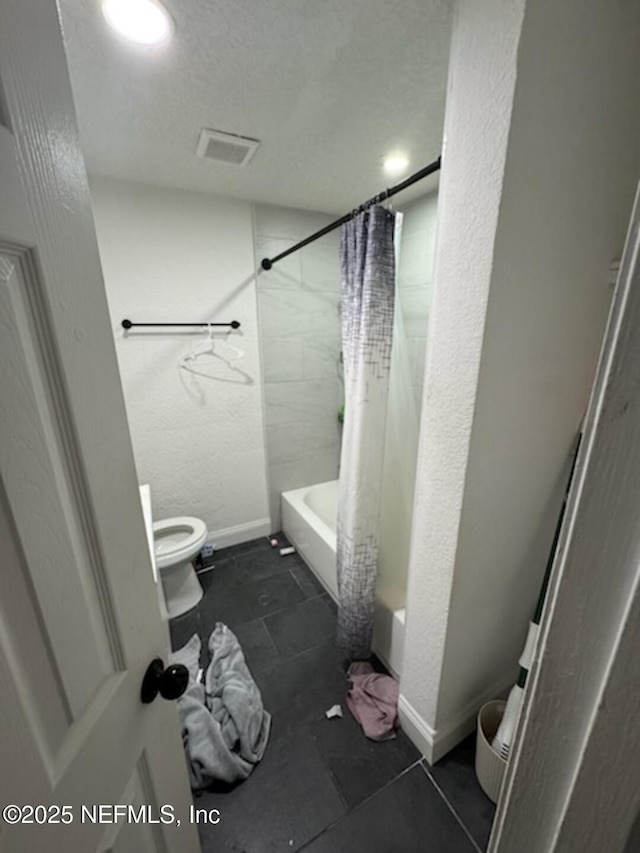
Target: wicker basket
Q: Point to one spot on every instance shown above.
(490, 766)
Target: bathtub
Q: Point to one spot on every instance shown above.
(309, 522)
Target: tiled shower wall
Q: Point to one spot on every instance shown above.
(300, 333)
(298, 302)
(415, 281)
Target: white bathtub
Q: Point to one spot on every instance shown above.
(309, 521)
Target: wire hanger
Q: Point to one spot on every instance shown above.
(198, 349)
(235, 352)
(210, 347)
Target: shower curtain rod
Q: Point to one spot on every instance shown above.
(267, 263)
(128, 324)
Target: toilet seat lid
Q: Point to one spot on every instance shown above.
(177, 539)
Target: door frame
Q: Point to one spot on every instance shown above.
(573, 779)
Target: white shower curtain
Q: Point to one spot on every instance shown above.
(399, 471)
(368, 291)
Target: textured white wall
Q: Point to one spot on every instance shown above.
(479, 97)
(300, 332)
(171, 255)
(535, 232)
(572, 169)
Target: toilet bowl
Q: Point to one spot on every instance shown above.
(176, 541)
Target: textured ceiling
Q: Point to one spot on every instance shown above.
(328, 87)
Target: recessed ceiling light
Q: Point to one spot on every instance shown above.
(145, 22)
(395, 164)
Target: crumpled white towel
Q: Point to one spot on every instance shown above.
(225, 728)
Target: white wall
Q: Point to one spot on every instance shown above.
(300, 332)
(171, 255)
(542, 155)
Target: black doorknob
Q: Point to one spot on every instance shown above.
(170, 683)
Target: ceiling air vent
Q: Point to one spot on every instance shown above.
(226, 148)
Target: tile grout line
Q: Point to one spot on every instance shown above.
(306, 596)
(277, 656)
(282, 610)
(336, 785)
(288, 606)
(359, 806)
(334, 782)
(279, 659)
(450, 806)
(284, 660)
(266, 616)
(259, 546)
(274, 612)
(296, 581)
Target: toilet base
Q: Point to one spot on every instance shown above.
(182, 589)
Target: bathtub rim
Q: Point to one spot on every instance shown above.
(295, 497)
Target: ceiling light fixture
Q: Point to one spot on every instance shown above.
(145, 22)
(395, 164)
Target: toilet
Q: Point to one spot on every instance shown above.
(176, 541)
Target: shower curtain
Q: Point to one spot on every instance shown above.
(368, 283)
(400, 458)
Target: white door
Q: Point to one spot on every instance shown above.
(79, 620)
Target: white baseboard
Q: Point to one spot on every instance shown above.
(435, 743)
(417, 730)
(240, 533)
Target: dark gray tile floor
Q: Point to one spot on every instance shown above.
(321, 786)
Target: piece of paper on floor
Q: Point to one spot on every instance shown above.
(334, 711)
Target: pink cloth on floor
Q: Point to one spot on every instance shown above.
(373, 701)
